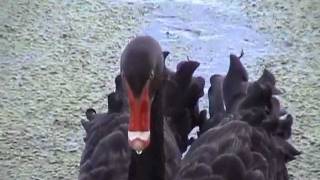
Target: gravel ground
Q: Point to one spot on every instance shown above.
(58, 58)
(295, 27)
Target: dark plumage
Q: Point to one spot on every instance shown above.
(165, 54)
(153, 110)
(107, 153)
(90, 113)
(267, 78)
(215, 95)
(181, 94)
(117, 101)
(216, 103)
(243, 148)
(284, 126)
(226, 93)
(235, 83)
(248, 140)
(104, 145)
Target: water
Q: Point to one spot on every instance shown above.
(208, 31)
(205, 31)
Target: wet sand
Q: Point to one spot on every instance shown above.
(57, 59)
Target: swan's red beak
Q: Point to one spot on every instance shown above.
(139, 123)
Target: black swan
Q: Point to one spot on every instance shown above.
(235, 82)
(181, 94)
(117, 101)
(237, 76)
(138, 143)
(226, 92)
(247, 143)
(251, 147)
(216, 104)
(268, 78)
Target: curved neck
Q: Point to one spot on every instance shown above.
(150, 165)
